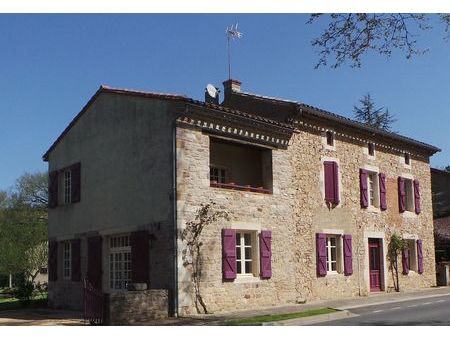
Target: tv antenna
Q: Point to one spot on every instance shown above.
(232, 33)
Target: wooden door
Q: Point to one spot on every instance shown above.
(375, 264)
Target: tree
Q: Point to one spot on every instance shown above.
(350, 36)
(23, 227)
(374, 117)
(192, 255)
(395, 248)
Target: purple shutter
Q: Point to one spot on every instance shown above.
(331, 171)
(94, 272)
(348, 258)
(363, 188)
(383, 201)
(417, 196)
(52, 261)
(405, 261)
(321, 251)
(53, 189)
(75, 172)
(419, 256)
(229, 254)
(140, 257)
(401, 194)
(76, 260)
(265, 249)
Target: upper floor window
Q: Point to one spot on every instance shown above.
(64, 186)
(407, 159)
(67, 260)
(240, 166)
(67, 186)
(330, 138)
(371, 149)
(409, 195)
(373, 189)
(331, 182)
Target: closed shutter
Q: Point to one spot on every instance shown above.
(363, 188)
(417, 196)
(405, 261)
(331, 174)
(419, 256)
(229, 254)
(52, 261)
(383, 201)
(265, 248)
(94, 272)
(140, 257)
(76, 183)
(53, 189)
(348, 258)
(76, 260)
(401, 194)
(321, 252)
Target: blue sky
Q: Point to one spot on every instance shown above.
(50, 65)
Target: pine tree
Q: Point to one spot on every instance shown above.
(374, 117)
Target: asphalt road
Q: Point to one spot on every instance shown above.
(427, 311)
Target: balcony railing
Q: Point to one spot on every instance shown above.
(234, 186)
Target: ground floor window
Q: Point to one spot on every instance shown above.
(412, 254)
(246, 253)
(67, 260)
(334, 253)
(120, 262)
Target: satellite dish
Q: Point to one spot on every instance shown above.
(212, 91)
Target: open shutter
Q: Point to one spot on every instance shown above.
(52, 261)
(229, 254)
(363, 188)
(405, 261)
(419, 256)
(321, 251)
(76, 260)
(401, 194)
(331, 182)
(348, 258)
(53, 189)
(265, 248)
(417, 196)
(383, 202)
(140, 257)
(94, 272)
(76, 182)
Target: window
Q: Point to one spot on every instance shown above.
(246, 253)
(240, 166)
(331, 182)
(67, 186)
(67, 260)
(119, 262)
(334, 253)
(217, 174)
(412, 254)
(371, 149)
(409, 194)
(407, 159)
(373, 189)
(330, 138)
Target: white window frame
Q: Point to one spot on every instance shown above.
(325, 139)
(119, 262)
(67, 186)
(67, 260)
(240, 263)
(411, 241)
(339, 253)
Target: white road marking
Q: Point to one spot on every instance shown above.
(377, 311)
(396, 308)
(440, 301)
(428, 303)
(415, 305)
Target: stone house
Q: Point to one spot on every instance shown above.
(312, 197)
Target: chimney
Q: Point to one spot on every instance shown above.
(230, 86)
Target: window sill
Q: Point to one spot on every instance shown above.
(373, 209)
(233, 186)
(333, 274)
(328, 147)
(409, 214)
(247, 279)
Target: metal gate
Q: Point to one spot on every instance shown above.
(93, 304)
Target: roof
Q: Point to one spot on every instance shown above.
(161, 96)
(321, 113)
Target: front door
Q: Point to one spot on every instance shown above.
(375, 264)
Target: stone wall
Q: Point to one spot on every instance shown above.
(295, 212)
(137, 307)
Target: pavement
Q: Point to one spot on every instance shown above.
(349, 308)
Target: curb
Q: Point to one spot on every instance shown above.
(341, 314)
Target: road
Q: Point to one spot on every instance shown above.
(427, 311)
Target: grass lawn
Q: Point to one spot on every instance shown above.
(12, 303)
(275, 318)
